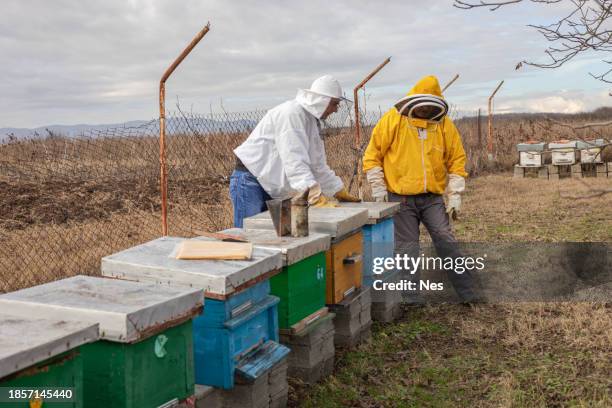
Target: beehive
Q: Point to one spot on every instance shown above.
(241, 315)
(301, 284)
(145, 336)
(531, 154)
(344, 259)
(44, 353)
(563, 152)
(590, 150)
(378, 235)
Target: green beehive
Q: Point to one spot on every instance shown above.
(301, 283)
(145, 355)
(43, 354)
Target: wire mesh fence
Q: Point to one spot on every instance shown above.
(68, 201)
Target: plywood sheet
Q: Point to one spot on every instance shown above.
(214, 250)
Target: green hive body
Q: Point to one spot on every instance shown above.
(126, 375)
(144, 357)
(301, 289)
(62, 371)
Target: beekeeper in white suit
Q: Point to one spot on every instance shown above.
(284, 154)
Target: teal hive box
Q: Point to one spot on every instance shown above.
(240, 322)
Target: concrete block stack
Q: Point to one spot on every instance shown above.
(312, 351)
(353, 319)
(386, 304)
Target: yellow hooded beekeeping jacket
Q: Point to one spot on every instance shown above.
(413, 164)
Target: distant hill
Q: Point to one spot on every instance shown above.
(173, 125)
(65, 130)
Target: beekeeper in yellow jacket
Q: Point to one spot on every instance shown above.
(414, 155)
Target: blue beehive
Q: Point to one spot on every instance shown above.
(238, 333)
(231, 331)
(378, 241)
(378, 235)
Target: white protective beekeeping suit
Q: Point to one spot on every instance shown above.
(285, 151)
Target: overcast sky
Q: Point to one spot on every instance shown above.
(69, 62)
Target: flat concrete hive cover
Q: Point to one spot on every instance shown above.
(153, 262)
(376, 211)
(333, 221)
(293, 249)
(126, 311)
(25, 341)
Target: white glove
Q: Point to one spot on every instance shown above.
(456, 186)
(376, 178)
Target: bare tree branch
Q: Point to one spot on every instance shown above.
(585, 28)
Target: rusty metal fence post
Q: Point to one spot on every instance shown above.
(490, 124)
(358, 122)
(452, 81)
(162, 126)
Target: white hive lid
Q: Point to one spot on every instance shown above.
(294, 249)
(376, 210)
(126, 311)
(25, 341)
(152, 262)
(336, 222)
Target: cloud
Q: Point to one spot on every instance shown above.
(75, 62)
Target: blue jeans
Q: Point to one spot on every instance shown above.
(248, 197)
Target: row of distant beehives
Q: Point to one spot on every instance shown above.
(563, 158)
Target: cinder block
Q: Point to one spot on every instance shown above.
(306, 356)
(277, 379)
(312, 333)
(308, 375)
(576, 170)
(366, 333)
(366, 316)
(365, 296)
(383, 315)
(251, 395)
(345, 327)
(349, 307)
(519, 172)
(279, 400)
(328, 349)
(553, 169)
(207, 397)
(328, 367)
(543, 172)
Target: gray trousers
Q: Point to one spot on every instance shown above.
(429, 209)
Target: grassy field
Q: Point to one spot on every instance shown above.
(497, 355)
(69, 202)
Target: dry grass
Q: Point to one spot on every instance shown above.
(70, 202)
(498, 355)
(501, 208)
